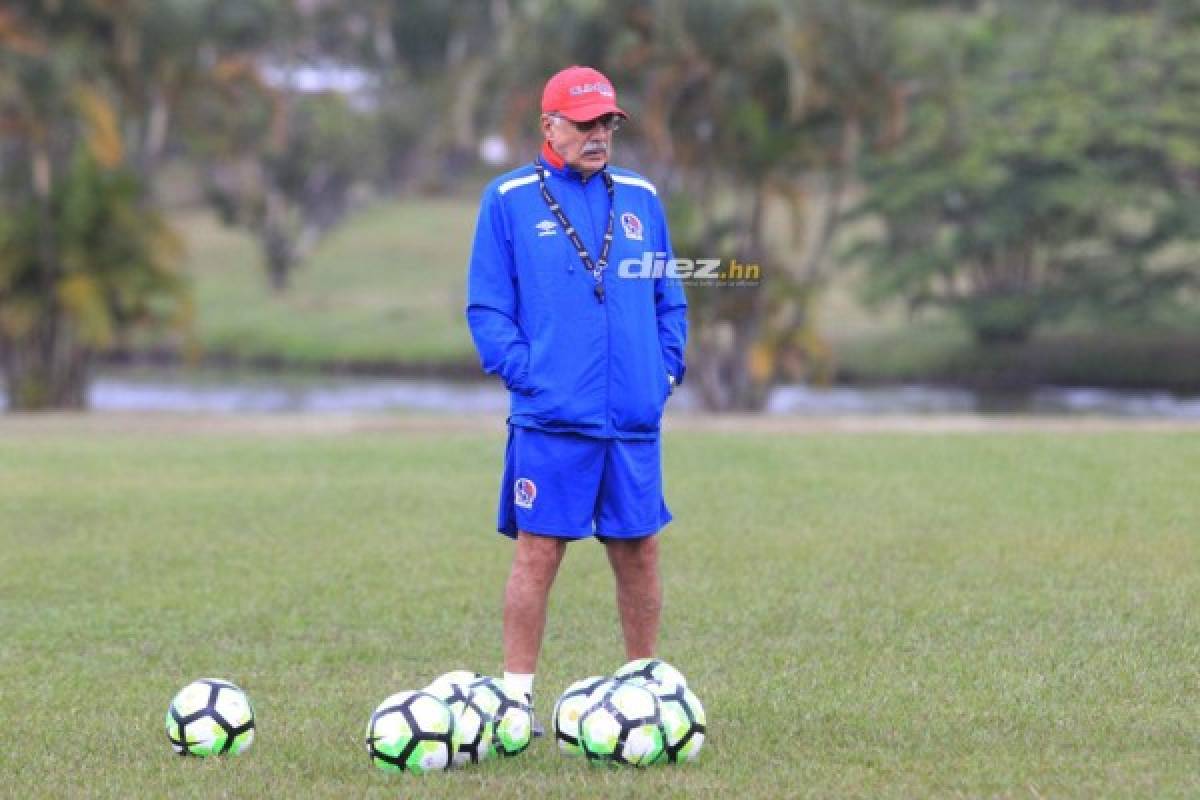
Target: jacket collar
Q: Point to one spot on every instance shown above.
(555, 164)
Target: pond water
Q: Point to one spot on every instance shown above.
(222, 392)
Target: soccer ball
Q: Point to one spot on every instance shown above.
(578, 698)
(456, 677)
(210, 717)
(412, 731)
(655, 674)
(474, 725)
(512, 718)
(624, 727)
(684, 723)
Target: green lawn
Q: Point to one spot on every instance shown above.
(389, 287)
(871, 615)
(386, 287)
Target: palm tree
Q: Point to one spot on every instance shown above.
(84, 259)
(755, 113)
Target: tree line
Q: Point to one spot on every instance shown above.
(1013, 163)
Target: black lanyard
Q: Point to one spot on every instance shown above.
(596, 268)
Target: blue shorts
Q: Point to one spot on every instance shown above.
(572, 486)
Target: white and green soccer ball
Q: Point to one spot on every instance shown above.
(572, 703)
(684, 724)
(654, 673)
(413, 732)
(473, 723)
(624, 726)
(512, 718)
(210, 717)
(455, 677)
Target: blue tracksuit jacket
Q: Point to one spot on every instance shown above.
(573, 364)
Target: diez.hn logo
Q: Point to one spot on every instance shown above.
(692, 271)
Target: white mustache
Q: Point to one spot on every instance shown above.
(594, 148)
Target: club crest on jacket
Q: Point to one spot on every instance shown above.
(632, 226)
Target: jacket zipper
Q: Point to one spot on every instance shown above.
(609, 428)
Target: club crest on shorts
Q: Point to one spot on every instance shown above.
(524, 492)
(632, 226)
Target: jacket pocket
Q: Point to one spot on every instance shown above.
(519, 381)
(567, 379)
(640, 388)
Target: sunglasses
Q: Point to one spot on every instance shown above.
(609, 122)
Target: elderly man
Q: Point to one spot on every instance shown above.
(589, 354)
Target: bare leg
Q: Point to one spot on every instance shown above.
(639, 593)
(534, 565)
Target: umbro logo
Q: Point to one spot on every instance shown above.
(546, 228)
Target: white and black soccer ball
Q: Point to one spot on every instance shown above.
(210, 717)
(655, 673)
(571, 706)
(455, 677)
(512, 718)
(473, 723)
(412, 731)
(623, 727)
(684, 723)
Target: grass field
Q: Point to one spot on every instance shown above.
(389, 287)
(869, 615)
(386, 287)
(387, 290)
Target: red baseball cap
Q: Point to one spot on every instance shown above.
(580, 94)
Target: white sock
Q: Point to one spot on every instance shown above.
(520, 683)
